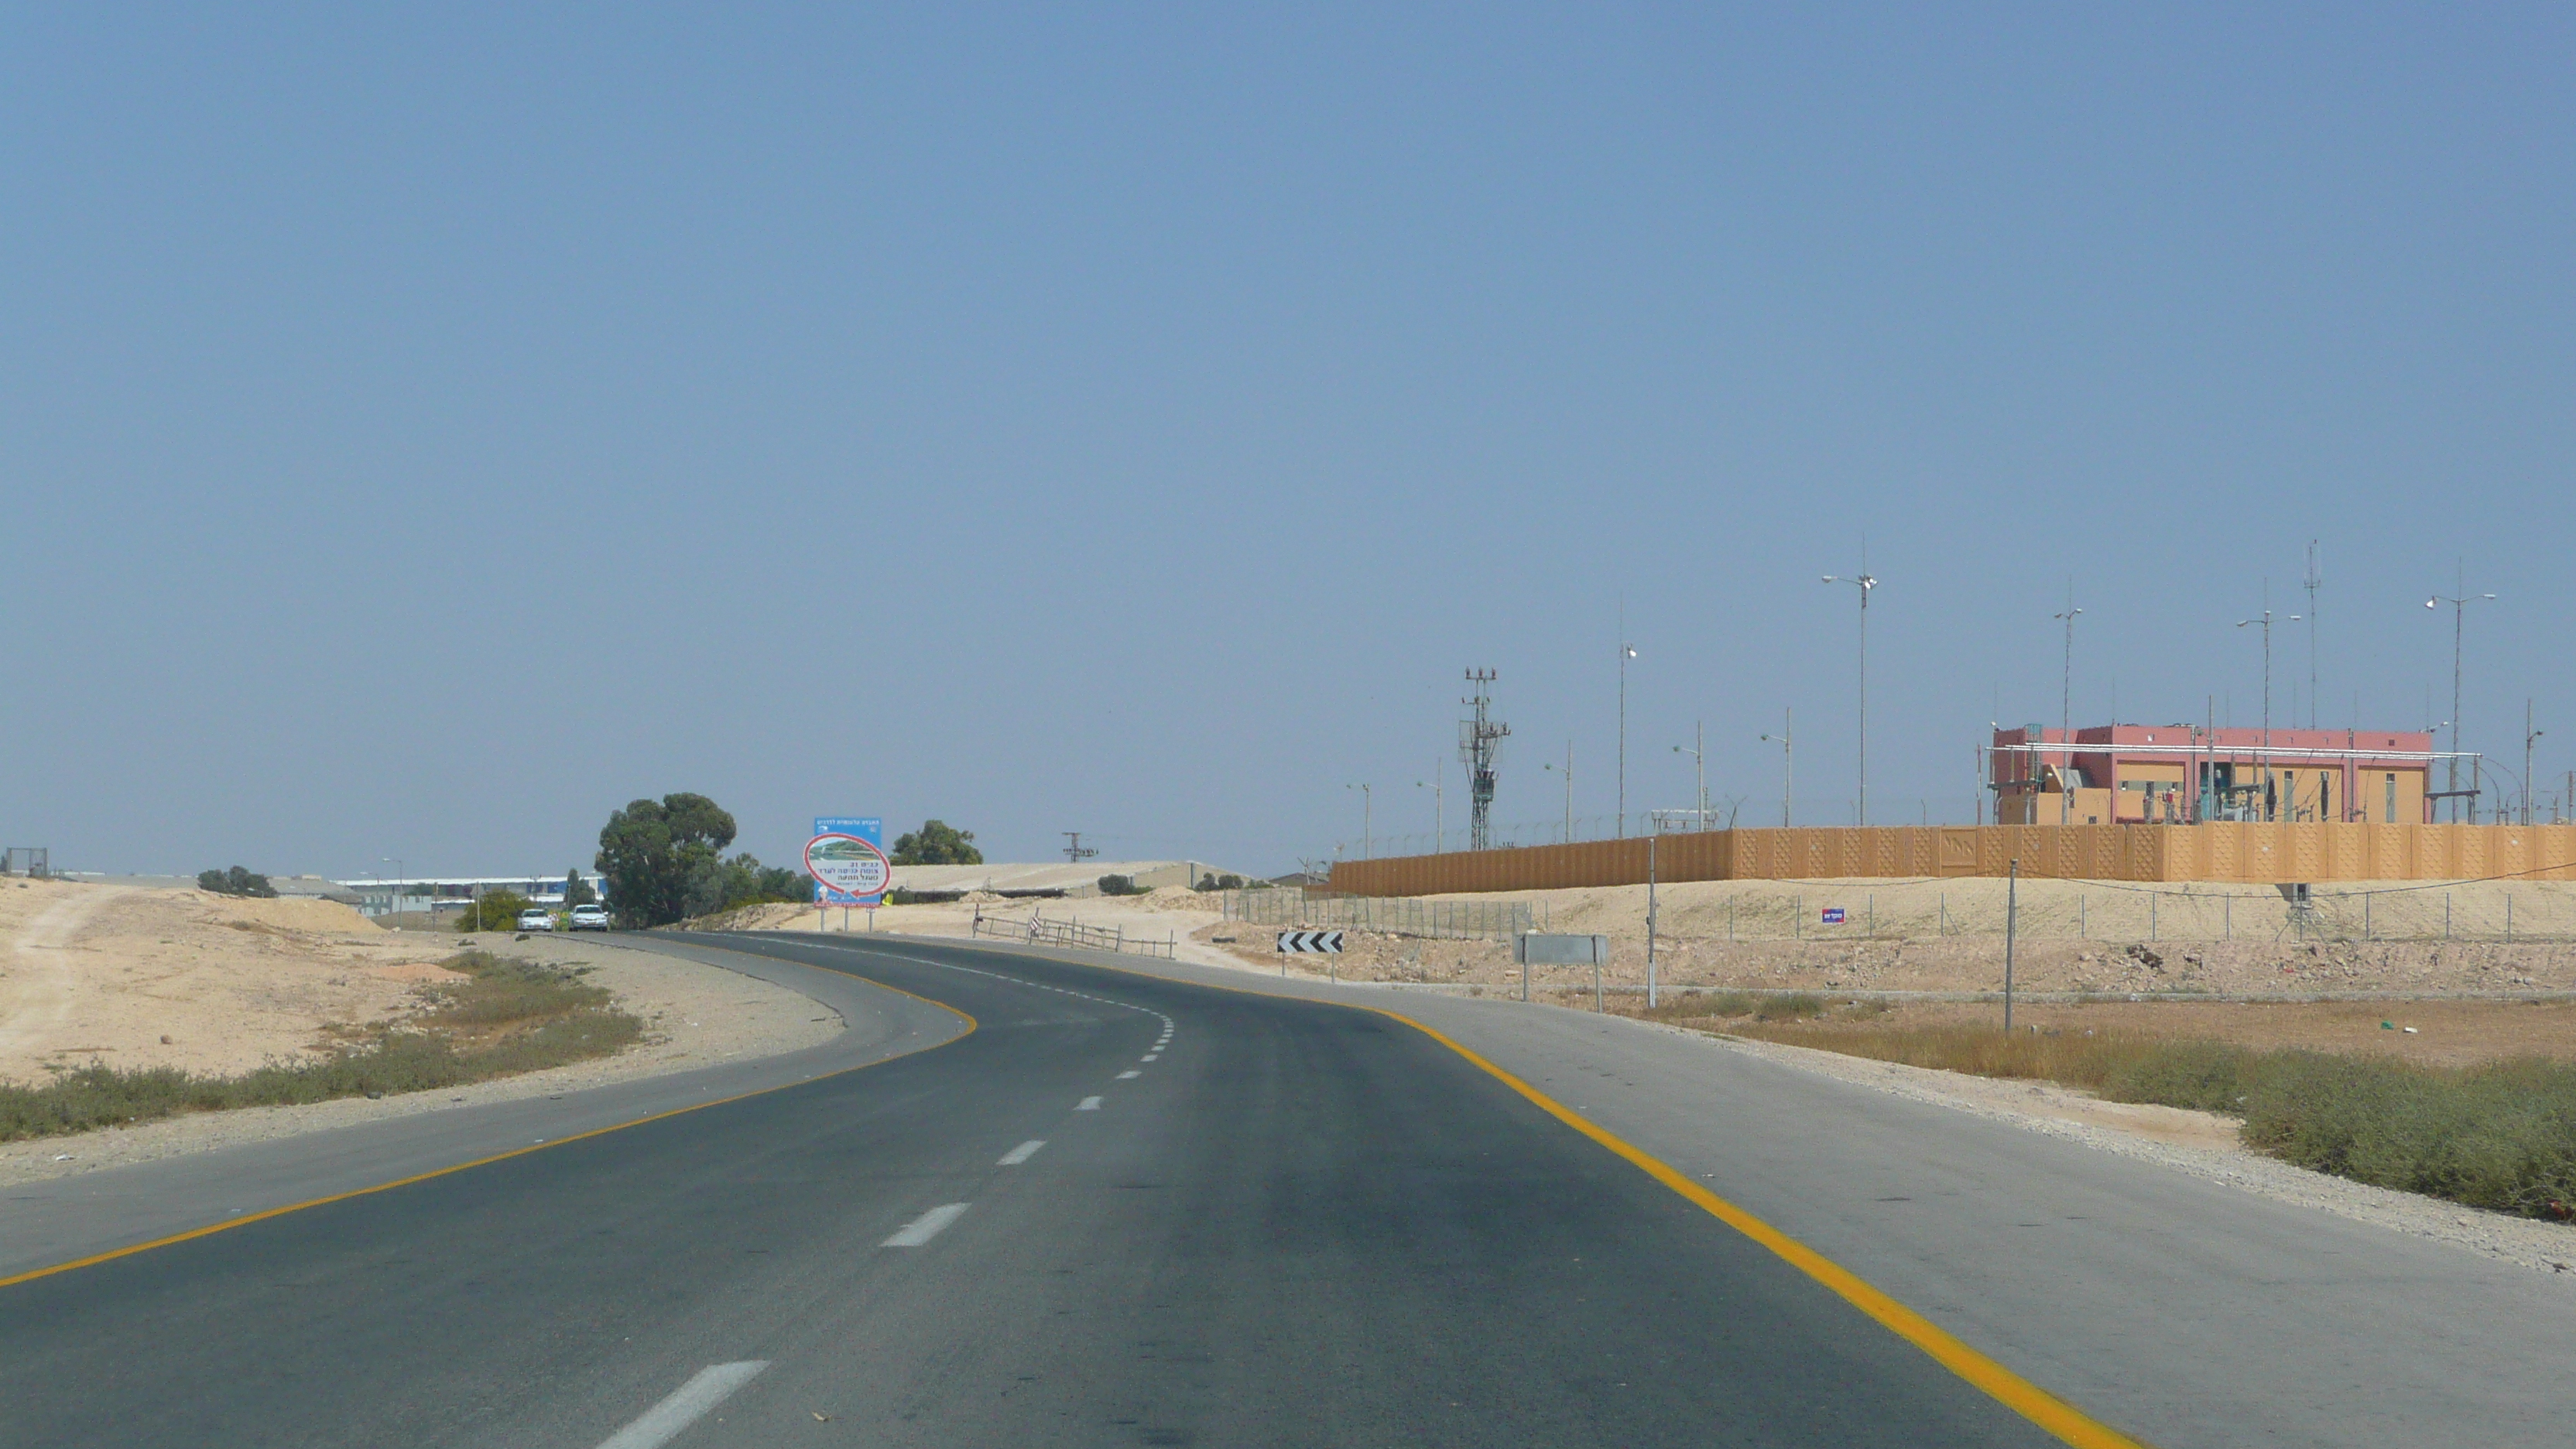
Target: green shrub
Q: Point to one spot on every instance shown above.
(1120, 885)
(494, 911)
(236, 882)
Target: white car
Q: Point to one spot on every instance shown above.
(536, 918)
(589, 918)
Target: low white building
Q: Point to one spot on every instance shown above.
(455, 893)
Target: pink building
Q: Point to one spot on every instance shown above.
(2178, 774)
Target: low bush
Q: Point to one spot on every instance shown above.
(507, 1017)
(1120, 885)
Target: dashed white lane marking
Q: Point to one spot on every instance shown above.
(1130, 1072)
(1089, 1104)
(926, 1227)
(1021, 1153)
(1149, 1056)
(705, 1389)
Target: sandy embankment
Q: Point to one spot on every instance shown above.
(1947, 936)
(150, 978)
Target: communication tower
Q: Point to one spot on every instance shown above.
(1478, 737)
(1074, 849)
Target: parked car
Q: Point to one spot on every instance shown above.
(536, 918)
(589, 918)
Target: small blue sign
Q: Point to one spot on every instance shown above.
(868, 828)
(1833, 915)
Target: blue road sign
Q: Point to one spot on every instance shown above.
(1833, 915)
(869, 828)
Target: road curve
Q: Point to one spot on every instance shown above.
(1120, 1210)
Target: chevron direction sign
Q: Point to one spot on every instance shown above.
(1309, 943)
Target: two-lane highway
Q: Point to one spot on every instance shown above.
(1121, 1210)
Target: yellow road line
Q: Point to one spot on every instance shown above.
(2051, 1413)
(228, 1224)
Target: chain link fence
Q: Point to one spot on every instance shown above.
(1389, 915)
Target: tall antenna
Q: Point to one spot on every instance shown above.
(1477, 740)
(2314, 580)
(1074, 849)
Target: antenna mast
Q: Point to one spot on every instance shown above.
(1477, 740)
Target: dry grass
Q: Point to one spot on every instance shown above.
(2498, 1135)
(505, 1018)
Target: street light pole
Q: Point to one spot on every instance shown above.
(1368, 806)
(1788, 760)
(1699, 762)
(2528, 736)
(1865, 584)
(2066, 699)
(1626, 653)
(2270, 804)
(1438, 831)
(2459, 619)
(394, 902)
(1568, 773)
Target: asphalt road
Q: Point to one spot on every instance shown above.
(1120, 1210)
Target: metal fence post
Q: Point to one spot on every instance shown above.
(2446, 915)
(2012, 910)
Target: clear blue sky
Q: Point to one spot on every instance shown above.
(423, 432)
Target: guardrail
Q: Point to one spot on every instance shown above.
(1037, 930)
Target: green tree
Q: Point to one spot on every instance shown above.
(577, 892)
(235, 882)
(493, 911)
(936, 843)
(654, 851)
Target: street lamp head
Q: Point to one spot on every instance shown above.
(2486, 596)
(2428, 603)
(1631, 651)
(1829, 578)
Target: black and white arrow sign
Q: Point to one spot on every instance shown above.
(1308, 943)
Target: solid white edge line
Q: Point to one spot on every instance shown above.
(926, 1227)
(705, 1389)
(1021, 1153)
(1088, 1104)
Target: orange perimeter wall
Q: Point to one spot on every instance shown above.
(2246, 852)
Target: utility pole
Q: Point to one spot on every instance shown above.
(1788, 760)
(2269, 803)
(1074, 849)
(2459, 619)
(1478, 739)
(2066, 702)
(1865, 584)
